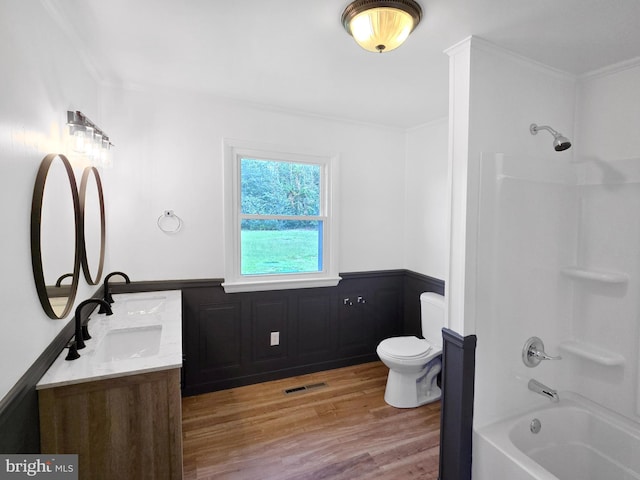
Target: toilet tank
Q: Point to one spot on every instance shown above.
(432, 315)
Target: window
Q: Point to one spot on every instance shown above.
(280, 221)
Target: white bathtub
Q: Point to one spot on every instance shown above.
(578, 440)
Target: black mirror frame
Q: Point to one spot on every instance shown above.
(36, 245)
(83, 193)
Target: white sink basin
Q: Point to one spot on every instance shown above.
(129, 343)
(145, 305)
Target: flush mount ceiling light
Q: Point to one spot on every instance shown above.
(381, 25)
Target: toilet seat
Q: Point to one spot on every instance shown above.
(406, 348)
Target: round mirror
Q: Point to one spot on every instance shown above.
(93, 231)
(55, 235)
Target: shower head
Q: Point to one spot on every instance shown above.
(560, 142)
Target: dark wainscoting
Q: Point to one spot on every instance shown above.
(414, 285)
(19, 417)
(226, 336)
(456, 418)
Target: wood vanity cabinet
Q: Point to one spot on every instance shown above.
(128, 427)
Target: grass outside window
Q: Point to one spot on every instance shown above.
(279, 251)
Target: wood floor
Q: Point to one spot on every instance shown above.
(343, 430)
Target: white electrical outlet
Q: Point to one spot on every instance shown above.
(275, 338)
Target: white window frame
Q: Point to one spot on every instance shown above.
(234, 151)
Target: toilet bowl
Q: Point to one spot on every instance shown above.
(414, 363)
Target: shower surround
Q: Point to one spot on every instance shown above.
(545, 243)
(559, 255)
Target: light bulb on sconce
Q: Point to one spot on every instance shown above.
(89, 142)
(97, 141)
(105, 157)
(78, 140)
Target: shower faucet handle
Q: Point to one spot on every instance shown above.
(543, 356)
(533, 353)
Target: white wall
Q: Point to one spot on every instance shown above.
(426, 238)
(42, 79)
(608, 116)
(169, 156)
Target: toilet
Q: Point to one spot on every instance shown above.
(414, 363)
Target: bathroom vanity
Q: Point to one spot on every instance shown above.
(118, 406)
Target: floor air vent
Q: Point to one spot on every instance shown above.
(304, 388)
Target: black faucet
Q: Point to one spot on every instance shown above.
(107, 295)
(82, 332)
(62, 277)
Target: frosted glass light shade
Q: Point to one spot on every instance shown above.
(382, 29)
(381, 26)
(79, 141)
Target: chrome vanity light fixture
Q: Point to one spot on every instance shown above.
(88, 139)
(381, 25)
(560, 142)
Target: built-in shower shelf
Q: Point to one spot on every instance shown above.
(592, 352)
(595, 275)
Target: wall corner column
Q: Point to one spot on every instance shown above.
(459, 281)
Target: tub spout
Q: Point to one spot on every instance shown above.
(536, 386)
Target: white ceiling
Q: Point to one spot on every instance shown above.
(295, 55)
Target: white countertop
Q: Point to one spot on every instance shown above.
(143, 316)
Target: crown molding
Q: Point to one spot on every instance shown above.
(480, 44)
(610, 70)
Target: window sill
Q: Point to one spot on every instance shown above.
(279, 284)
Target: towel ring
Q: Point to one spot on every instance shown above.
(169, 222)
